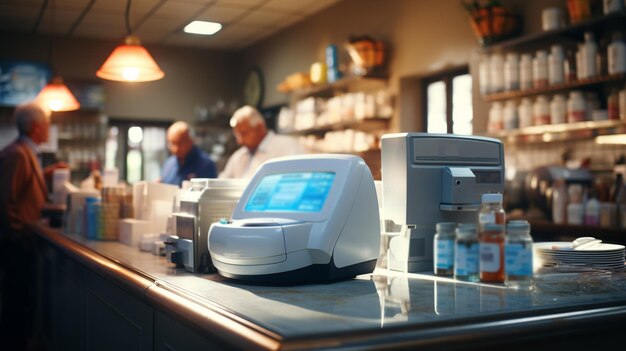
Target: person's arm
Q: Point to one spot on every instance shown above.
(15, 171)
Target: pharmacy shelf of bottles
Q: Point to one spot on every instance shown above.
(560, 84)
(562, 131)
(555, 88)
(612, 21)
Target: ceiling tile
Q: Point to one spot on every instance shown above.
(293, 6)
(266, 19)
(58, 21)
(182, 40)
(178, 10)
(318, 5)
(157, 29)
(18, 17)
(221, 14)
(67, 4)
(101, 25)
(241, 3)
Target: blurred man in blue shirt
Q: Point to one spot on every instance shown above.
(187, 160)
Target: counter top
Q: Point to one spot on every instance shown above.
(383, 308)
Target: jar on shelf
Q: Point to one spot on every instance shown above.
(589, 52)
(526, 71)
(592, 103)
(576, 109)
(616, 55)
(569, 66)
(540, 69)
(612, 6)
(622, 104)
(558, 109)
(541, 111)
(511, 120)
(496, 73)
(496, 121)
(511, 72)
(483, 74)
(613, 105)
(525, 113)
(555, 65)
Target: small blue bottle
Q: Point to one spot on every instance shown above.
(332, 63)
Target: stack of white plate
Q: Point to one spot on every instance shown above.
(560, 253)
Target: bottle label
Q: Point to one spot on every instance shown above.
(489, 257)
(518, 259)
(466, 261)
(444, 254)
(487, 218)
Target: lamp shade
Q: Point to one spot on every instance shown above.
(130, 62)
(57, 97)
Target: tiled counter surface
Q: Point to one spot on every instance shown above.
(385, 308)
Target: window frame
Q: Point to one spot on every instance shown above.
(447, 77)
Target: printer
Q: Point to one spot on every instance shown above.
(204, 202)
(301, 219)
(430, 178)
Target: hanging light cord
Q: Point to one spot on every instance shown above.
(127, 15)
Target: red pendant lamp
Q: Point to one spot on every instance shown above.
(130, 62)
(57, 97)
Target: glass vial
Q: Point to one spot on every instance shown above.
(466, 267)
(443, 255)
(518, 252)
(491, 210)
(491, 253)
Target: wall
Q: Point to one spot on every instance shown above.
(195, 79)
(425, 37)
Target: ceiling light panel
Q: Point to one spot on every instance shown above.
(202, 27)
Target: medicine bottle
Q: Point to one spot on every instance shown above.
(540, 69)
(466, 266)
(491, 210)
(518, 252)
(491, 253)
(443, 247)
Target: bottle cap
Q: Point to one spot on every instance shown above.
(518, 225)
(492, 198)
(466, 229)
(446, 226)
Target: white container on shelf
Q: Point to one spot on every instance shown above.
(555, 65)
(611, 6)
(558, 109)
(496, 73)
(526, 71)
(576, 109)
(592, 103)
(525, 113)
(484, 82)
(496, 121)
(589, 51)
(511, 72)
(541, 111)
(540, 69)
(622, 104)
(511, 120)
(616, 55)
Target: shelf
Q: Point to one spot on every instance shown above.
(561, 132)
(611, 21)
(342, 84)
(583, 83)
(365, 125)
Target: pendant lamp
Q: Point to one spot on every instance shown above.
(130, 62)
(57, 97)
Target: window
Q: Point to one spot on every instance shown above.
(448, 102)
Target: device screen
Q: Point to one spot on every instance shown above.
(291, 192)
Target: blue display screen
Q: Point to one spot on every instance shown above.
(291, 192)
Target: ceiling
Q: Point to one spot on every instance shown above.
(158, 21)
